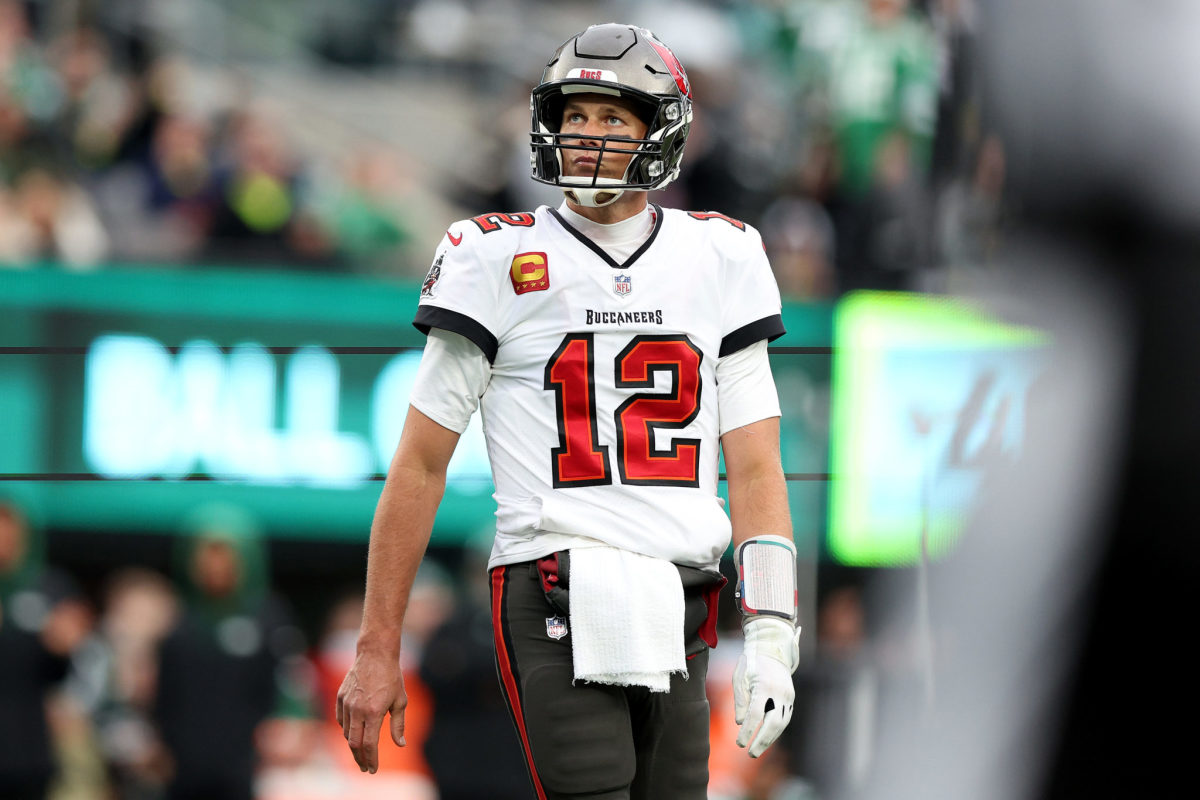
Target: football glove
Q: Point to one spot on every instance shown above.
(763, 694)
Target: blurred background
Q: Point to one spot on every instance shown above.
(214, 220)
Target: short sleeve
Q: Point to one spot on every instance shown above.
(746, 390)
(459, 293)
(752, 309)
(452, 377)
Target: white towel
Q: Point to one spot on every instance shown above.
(626, 618)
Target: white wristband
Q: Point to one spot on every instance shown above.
(766, 568)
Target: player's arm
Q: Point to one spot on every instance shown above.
(400, 533)
(748, 405)
(766, 561)
(453, 375)
(763, 547)
(758, 502)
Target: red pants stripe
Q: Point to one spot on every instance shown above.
(504, 664)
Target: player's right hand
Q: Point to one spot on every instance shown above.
(374, 686)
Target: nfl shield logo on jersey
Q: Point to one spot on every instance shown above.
(622, 284)
(556, 627)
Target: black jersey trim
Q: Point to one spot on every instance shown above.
(434, 317)
(598, 250)
(769, 328)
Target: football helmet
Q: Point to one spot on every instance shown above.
(628, 62)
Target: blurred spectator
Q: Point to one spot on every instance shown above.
(262, 213)
(99, 106)
(469, 713)
(797, 227)
(798, 235)
(30, 94)
(883, 82)
(14, 133)
(43, 618)
(179, 173)
(160, 207)
(233, 660)
(971, 210)
(368, 215)
(883, 92)
(49, 219)
(736, 151)
(140, 607)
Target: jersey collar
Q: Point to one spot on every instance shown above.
(598, 250)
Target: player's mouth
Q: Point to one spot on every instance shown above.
(585, 166)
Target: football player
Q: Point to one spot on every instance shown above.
(615, 350)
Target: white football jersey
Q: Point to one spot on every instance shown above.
(601, 414)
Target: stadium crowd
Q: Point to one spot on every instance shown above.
(139, 133)
(198, 677)
(849, 131)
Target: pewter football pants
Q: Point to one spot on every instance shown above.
(593, 740)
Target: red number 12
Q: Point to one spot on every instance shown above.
(580, 459)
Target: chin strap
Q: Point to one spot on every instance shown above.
(592, 198)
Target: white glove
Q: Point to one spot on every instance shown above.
(763, 679)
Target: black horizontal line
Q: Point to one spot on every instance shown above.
(285, 350)
(801, 351)
(86, 477)
(82, 477)
(91, 477)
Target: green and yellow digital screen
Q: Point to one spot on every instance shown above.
(928, 398)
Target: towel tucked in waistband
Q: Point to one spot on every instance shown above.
(627, 618)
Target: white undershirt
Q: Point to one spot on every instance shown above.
(619, 239)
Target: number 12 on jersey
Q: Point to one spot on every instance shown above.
(580, 459)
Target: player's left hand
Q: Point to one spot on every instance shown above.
(763, 694)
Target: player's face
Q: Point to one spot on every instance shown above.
(589, 117)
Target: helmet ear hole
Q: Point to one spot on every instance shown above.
(646, 112)
(552, 111)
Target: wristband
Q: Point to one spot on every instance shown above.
(766, 567)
